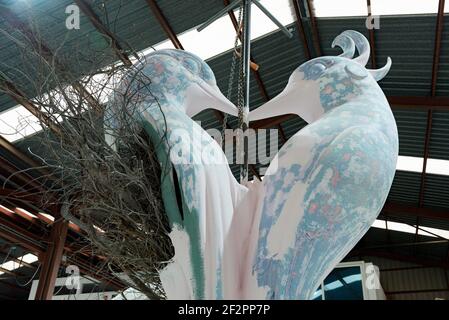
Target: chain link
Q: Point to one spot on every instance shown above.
(232, 74)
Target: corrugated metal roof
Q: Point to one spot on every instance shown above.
(442, 88)
(437, 191)
(132, 21)
(411, 125)
(413, 279)
(439, 139)
(405, 188)
(409, 42)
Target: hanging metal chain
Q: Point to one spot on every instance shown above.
(242, 103)
(235, 55)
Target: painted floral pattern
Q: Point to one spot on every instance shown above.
(342, 185)
(331, 181)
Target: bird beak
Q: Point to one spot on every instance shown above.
(204, 96)
(300, 97)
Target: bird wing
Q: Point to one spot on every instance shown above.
(318, 203)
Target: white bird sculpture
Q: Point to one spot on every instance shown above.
(279, 238)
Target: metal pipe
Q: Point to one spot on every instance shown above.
(219, 14)
(246, 82)
(272, 18)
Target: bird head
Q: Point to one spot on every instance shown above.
(181, 79)
(324, 83)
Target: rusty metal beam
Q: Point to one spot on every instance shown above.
(400, 257)
(17, 95)
(22, 178)
(164, 23)
(435, 67)
(10, 148)
(371, 37)
(52, 261)
(32, 198)
(20, 236)
(422, 103)
(403, 209)
(34, 243)
(46, 54)
(425, 157)
(301, 32)
(397, 102)
(314, 25)
(389, 293)
(98, 24)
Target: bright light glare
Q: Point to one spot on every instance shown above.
(437, 166)
(17, 123)
(13, 264)
(27, 213)
(341, 8)
(219, 37)
(415, 164)
(402, 227)
(347, 8)
(388, 7)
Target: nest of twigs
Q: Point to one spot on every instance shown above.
(112, 193)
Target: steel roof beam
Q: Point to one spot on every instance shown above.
(314, 25)
(435, 67)
(164, 23)
(394, 208)
(18, 96)
(371, 37)
(52, 261)
(10, 148)
(396, 102)
(98, 24)
(399, 257)
(300, 27)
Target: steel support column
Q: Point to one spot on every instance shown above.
(52, 261)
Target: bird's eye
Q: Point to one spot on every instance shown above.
(317, 68)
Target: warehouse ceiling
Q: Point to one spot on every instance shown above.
(417, 88)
